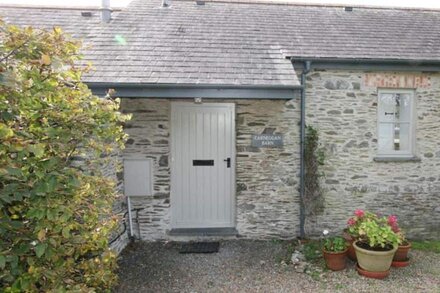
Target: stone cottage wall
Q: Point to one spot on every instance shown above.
(267, 184)
(149, 134)
(267, 178)
(343, 106)
(111, 168)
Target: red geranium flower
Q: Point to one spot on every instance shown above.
(351, 222)
(359, 213)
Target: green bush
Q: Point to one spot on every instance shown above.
(55, 212)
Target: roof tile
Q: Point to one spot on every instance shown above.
(236, 43)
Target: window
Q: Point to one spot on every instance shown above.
(396, 123)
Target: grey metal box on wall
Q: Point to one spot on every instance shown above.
(138, 177)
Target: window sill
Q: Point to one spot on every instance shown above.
(397, 159)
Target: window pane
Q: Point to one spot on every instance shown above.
(403, 137)
(385, 137)
(394, 137)
(404, 108)
(387, 107)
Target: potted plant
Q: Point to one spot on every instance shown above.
(376, 247)
(400, 258)
(335, 251)
(351, 233)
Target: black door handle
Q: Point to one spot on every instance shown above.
(228, 162)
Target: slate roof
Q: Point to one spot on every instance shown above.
(70, 20)
(241, 44)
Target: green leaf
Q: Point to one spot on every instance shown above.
(16, 172)
(51, 184)
(2, 262)
(41, 235)
(37, 150)
(40, 248)
(51, 214)
(66, 232)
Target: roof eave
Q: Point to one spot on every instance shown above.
(379, 64)
(185, 91)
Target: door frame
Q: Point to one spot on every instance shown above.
(173, 193)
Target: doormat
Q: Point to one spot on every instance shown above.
(200, 247)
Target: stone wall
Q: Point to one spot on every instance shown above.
(266, 197)
(267, 178)
(148, 133)
(343, 106)
(111, 168)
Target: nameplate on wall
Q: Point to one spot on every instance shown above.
(267, 140)
(397, 80)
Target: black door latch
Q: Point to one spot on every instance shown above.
(228, 162)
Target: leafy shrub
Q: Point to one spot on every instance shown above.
(55, 212)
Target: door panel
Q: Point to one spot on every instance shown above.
(202, 194)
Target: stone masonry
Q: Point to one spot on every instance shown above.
(149, 134)
(266, 179)
(342, 105)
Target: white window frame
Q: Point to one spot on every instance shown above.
(412, 124)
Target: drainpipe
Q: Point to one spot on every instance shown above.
(106, 11)
(302, 173)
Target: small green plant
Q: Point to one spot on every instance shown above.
(334, 244)
(290, 248)
(314, 274)
(312, 250)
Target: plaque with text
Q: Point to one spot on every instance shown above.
(267, 140)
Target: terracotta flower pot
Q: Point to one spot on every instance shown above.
(350, 253)
(374, 261)
(335, 261)
(373, 275)
(402, 252)
(400, 264)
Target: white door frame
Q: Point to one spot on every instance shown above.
(173, 192)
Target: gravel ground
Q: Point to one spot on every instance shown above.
(258, 266)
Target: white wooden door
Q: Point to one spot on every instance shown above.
(202, 179)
